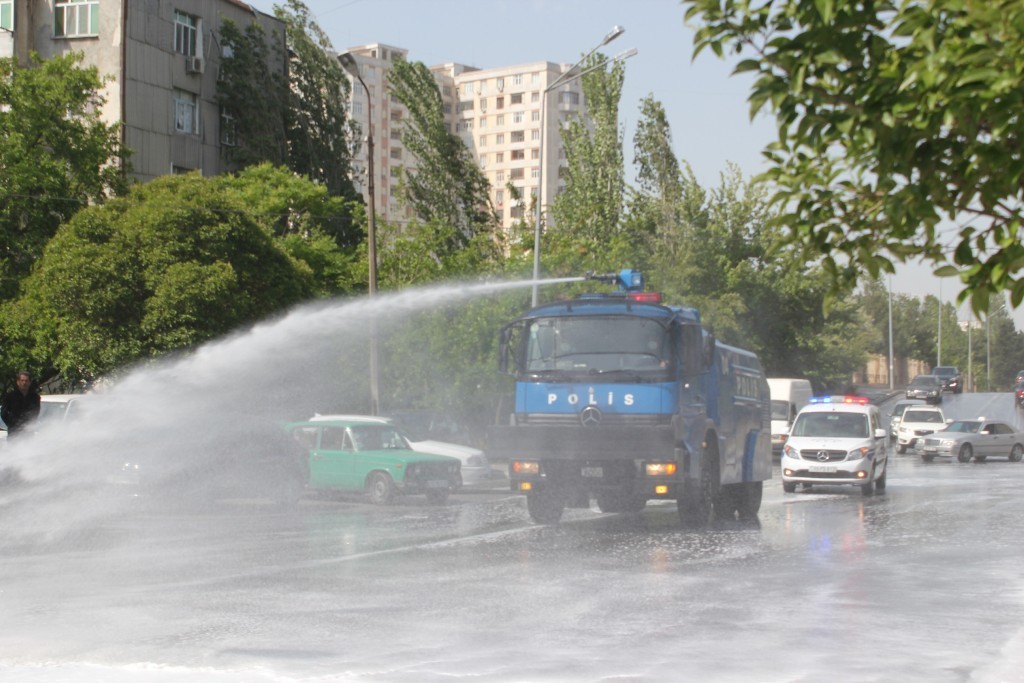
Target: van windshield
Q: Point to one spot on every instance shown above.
(780, 410)
(832, 425)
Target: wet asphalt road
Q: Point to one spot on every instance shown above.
(921, 583)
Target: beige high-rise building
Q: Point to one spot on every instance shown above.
(497, 113)
(164, 58)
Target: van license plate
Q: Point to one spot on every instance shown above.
(824, 469)
(595, 472)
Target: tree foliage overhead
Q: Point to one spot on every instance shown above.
(447, 187)
(893, 119)
(56, 155)
(177, 262)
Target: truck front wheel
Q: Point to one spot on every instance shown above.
(545, 507)
(697, 502)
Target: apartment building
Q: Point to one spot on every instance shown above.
(164, 57)
(379, 115)
(497, 112)
(499, 116)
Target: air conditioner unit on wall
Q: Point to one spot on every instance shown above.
(194, 65)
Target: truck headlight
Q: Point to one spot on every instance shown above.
(660, 469)
(525, 467)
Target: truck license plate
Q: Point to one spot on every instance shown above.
(596, 472)
(825, 469)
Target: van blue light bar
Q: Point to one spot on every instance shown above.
(859, 400)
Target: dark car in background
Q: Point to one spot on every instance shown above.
(925, 387)
(950, 377)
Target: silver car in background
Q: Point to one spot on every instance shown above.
(978, 439)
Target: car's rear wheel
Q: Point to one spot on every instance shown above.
(438, 497)
(380, 488)
(965, 453)
(881, 481)
(1016, 453)
(901, 448)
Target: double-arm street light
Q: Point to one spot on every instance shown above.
(348, 63)
(566, 77)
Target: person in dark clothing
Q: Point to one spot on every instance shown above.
(20, 405)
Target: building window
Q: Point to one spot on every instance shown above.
(535, 134)
(499, 157)
(535, 79)
(501, 84)
(569, 98)
(499, 197)
(483, 140)
(483, 121)
(73, 18)
(396, 152)
(499, 176)
(467, 89)
(483, 160)
(7, 14)
(396, 115)
(517, 79)
(186, 112)
(357, 107)
(228, 130)
(516, 174)
(518, 136)
(186, 34)
(499, 139)
(395, 134)
(535, 97)
(535, 173)
(535, 153)
(516, 98)
(499, 102)
(518, 155)
(517, 117)
(499, 119)
(535, 115)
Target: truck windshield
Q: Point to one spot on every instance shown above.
(597, 344)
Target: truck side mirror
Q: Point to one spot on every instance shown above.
(709, 350)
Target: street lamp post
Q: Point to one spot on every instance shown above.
(348, 63)
(561, 80)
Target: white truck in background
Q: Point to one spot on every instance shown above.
(788, 397)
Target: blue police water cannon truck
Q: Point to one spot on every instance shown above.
(622, 399)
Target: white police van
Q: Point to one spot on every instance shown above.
(836, 440)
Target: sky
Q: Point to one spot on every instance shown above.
(706, 106)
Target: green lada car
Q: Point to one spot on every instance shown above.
(353, 455)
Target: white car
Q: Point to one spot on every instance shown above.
(476, 470)
(836, 440)
(918, 421)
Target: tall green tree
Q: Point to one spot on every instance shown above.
(177, 262)
(253, 97)
(447, 186)
(895, 119)
(56, 155)
(318, 129)
(587, 233)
